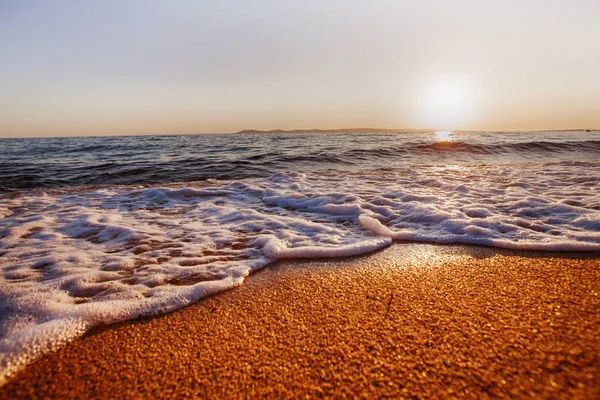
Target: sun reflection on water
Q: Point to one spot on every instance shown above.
(444, 136)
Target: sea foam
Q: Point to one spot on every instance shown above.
(74, 259)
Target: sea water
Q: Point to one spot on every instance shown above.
(99, 230)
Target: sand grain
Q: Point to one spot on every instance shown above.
(411, 321)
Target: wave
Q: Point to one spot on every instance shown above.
(512, 148)
(159, 160)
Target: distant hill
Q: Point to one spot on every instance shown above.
(333, 130)
(387, 130)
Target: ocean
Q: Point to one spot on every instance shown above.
(98, 230)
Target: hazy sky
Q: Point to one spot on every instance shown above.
(120, 67)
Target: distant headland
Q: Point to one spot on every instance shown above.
(249, 131)
(333, 130)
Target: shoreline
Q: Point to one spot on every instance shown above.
(410, 320)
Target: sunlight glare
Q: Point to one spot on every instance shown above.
(446, 103)
(444, 136)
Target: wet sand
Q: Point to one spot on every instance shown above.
(414, 321)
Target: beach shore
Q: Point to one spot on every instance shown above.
(411, 321)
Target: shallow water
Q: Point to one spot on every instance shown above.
(143, 242)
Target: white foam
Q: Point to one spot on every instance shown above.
(72, 260)
(375, 226)
(277, 249)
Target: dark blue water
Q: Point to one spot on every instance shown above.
(52, 162)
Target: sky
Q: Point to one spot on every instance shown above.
(104, 67)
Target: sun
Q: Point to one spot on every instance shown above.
(445, 103)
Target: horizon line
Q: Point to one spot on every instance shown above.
(316, 130)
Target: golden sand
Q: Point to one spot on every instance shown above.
(414, 320)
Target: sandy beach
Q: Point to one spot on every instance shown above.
(411, 321)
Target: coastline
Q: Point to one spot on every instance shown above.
(411, 320)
